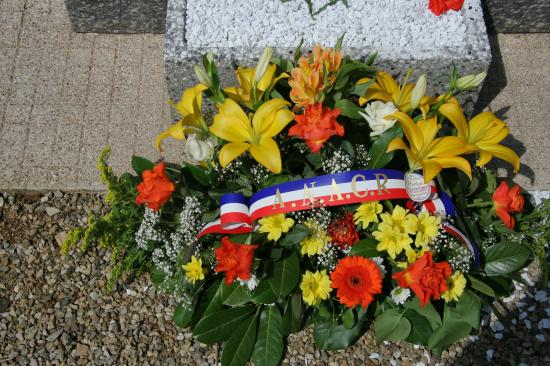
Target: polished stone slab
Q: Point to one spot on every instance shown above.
(117, 16)
(519, 16)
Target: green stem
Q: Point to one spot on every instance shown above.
(480, 204)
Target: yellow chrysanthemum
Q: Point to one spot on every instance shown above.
(316, 242)
(413, 256)
(455, 287)
(391, 239)
(315, 287)
(367, 213)
(275, 226)
(193, 270)
(425, 226)
(399, 219)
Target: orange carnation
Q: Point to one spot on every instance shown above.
(316, 126)
(155, 189)
(306, 80)
(425, 278)
(235, 260)
(507, 200)
(357, 279)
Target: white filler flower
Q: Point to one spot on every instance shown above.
(399, 295)
(375, 113)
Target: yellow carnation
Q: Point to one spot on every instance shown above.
(193, 270)
(425, 226)
(392, 239)
(455, 287)
(367, 213)
(316, 241)
(275, 226)
(315, 287)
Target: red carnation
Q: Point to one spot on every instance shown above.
(425, 278)
(156, 188)
(439, 7)
(343, 231)
(235, 260)
(316, 126)
(507, 200)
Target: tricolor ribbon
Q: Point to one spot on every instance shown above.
(238, 214)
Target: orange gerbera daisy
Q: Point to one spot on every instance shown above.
(357, 279)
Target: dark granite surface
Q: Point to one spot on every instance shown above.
(117, 16)
(519, 16)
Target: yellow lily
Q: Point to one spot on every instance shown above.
(189, 108)
(233, 125)
(386, 89)
(427, 152)
(482, 134)
(244, 94)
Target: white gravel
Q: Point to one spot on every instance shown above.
(397, 29)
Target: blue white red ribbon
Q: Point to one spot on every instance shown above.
(238, 214)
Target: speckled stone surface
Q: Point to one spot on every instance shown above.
(471, 57)
(117, 16)
(519, 16)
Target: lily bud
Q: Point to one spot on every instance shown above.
(263, 63)
(196, 150)
(203, 76)
(470, 81)
(418, 91)
(210, 56)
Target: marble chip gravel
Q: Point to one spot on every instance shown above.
(55, 310)
(371, 25)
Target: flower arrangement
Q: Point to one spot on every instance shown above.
(322, 193)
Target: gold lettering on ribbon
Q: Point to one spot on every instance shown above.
(354, 185)
(278, 200)
(381, 186)
(334, 191)
(308, 194)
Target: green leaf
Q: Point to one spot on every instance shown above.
(339, 41)
(329, 335)
(450, 332)
(198, 174)
(219, 326)
(295, 235)
(348, 108)
(140, 164)
(366, 248)
(479, 285)
(293, 314)
(182, 315)
(348, 318)
(286, 274)
(421, 328)
(236, 294)
(263, 294)
(504, 258)
(239, 346)
(209, 301)
(378, 149)
(391, 325)
(361, 89)
(428, 311)
(157, 276)
(348, 148)
(269, 347)
(467, 309)
(216, 302)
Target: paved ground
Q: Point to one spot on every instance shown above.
(64, 95)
